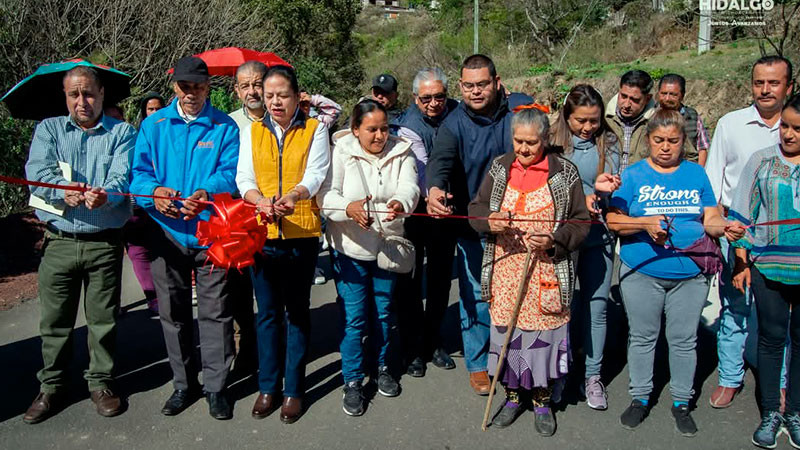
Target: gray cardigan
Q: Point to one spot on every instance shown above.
(569, 202)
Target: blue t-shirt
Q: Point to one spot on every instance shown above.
(682, 195)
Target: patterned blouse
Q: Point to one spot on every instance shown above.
(769, 190)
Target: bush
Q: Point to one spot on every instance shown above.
(15, 138)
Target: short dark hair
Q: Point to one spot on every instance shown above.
(251, 66)
(285, 72)
(673, 78)
(793, 102)
(478, 61)
(773, 59)
(637, 78)
(363, 108)
(84, 71)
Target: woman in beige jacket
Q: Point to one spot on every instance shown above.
(353, 211)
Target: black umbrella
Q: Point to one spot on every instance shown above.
(41, 95)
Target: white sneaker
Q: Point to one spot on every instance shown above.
(319, 277)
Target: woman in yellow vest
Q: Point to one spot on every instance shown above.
(283, 161)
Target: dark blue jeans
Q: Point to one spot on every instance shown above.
(282, 279)
(365, 298)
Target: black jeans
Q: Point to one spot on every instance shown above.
(419, 326)
(777, 307)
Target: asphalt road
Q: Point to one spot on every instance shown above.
(438, 411)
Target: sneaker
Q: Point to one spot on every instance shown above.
(792, 427)
(766, 435)
(683, 420)
(417, 368)
(353, 399)
(319, 277)
(544, 421)
(634, 415)
(596, 397)
(509, 412)
(387, 385)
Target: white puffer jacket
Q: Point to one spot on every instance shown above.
(390, 176)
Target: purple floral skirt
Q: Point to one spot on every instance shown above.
(533, 359)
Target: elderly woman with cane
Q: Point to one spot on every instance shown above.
(537, 217)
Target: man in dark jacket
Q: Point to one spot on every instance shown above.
(469, 139)
(431, 238)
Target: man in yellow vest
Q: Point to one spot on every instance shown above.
(283, 161)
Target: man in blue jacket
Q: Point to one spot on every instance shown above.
(189, 149)
(467, 141)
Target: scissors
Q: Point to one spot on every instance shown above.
(670, 227)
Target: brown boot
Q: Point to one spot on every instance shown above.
(108, 403)
(265, 405)
(291, 410)
(43, 406)
(722, 397)
(480, 382)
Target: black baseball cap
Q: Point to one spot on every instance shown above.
(385, 82)
(190, 68)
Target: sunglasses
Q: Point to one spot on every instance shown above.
(425, 99)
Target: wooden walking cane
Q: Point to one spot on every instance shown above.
(512, 324)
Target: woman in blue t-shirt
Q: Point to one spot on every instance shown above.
(664, 205)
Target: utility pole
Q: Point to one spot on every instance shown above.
(475, 14)
(704, 36)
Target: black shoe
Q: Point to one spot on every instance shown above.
(218, 406)
(683, 421)
(544, 421)
(442, 360)
(508, 413)
(179, 401)
(387, 385)
(634, 415)
(417, 368)
(353, 399)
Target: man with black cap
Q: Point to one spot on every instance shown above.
(189, 150)
(384, 91)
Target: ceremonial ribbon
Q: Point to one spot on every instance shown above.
(238, 231)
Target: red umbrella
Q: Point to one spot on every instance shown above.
(224, 61)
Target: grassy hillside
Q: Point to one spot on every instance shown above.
(718, 81)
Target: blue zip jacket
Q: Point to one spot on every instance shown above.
(465, 146)
(202, 154)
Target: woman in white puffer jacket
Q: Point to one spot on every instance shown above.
(365, 291)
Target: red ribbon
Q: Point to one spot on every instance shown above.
(234, 235)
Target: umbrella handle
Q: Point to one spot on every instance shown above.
(512, 324)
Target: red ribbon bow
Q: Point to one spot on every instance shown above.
(234, 235)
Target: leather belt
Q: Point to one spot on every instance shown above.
(110, 234)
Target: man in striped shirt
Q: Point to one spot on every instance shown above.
(83, 241)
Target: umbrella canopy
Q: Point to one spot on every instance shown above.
(41, 95)
(225, 61)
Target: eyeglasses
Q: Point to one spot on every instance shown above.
(425, 99)
(482, 85)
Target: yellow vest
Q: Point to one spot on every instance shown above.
(278, 172)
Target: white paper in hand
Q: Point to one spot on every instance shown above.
(40, 204)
